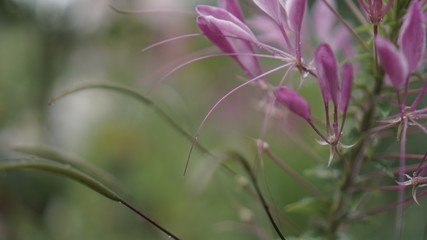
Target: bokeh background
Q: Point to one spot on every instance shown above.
(49, 46)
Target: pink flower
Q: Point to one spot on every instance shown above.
(375, 9)
(327, 73)
(393, 61)
(399, 63)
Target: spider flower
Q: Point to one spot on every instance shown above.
(375, 9)
(400, 63)
(417, 180)
(327, 75)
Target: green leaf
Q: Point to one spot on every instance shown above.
(62, 169)
(83, 166)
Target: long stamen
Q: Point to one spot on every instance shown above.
(196, 135)
(155, 11)
(154, 85)
(171, 40)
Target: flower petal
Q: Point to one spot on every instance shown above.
(327, 73)
(294, 102)
(296, 14)
(233, 7)
(274, 9)
(226, 22)
(393, 61)
(229, 34)
(412, 38)
(347, 82)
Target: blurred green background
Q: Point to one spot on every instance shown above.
(49, 46)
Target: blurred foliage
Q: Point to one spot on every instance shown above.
(48, 47)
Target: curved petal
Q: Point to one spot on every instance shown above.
(296, 14)
(229, 34)
(327, 73)
(294, 102)
(274, 9)
(412, 38)
(233, 7)
(393, 61)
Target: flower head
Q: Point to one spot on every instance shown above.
(375, 9)
(417, 179)
(327, 73)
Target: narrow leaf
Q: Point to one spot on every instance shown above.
(85, 167)
(61, 169)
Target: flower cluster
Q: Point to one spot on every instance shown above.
(391, 61)
(226, 28)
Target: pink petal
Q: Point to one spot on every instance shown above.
(233, 7)
(227, 22)
(347, 82)
(412, 38)
(393, 61)
(214, 34)
(228, 33)
(274, 9)
(327, 73)
(296, 14)
(294, 102)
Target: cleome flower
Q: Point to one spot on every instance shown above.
(225, 27)
(327, 75)
(417, 180)
(400, 63)
(375, 9)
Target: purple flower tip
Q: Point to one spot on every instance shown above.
(296, 14)
(375, 9)
(294, 102)
(327, 73)
(393, 61)
(412, 38)
(233, 7)
(230, 34)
